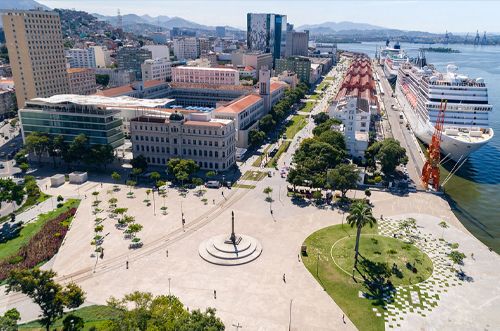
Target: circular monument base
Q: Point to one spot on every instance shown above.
(220, 250)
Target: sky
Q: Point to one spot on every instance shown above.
(425, 15)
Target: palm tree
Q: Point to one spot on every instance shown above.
(360, 214)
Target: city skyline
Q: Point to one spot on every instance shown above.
(381, 13)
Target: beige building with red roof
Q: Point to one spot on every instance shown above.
(210, 142)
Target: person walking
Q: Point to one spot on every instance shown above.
(215, 294)
(126, 265)
(167, 252)
(284, 278)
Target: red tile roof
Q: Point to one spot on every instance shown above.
(240, 104)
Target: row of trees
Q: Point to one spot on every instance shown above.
(316, 155)
(136, 311)
(79, 150)
(277, 114)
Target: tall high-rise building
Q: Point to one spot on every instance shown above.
(35, 44)
(131, 58)
(296, 43)
(186, 48)
(220, 31)
(81, 57)
(267, 33)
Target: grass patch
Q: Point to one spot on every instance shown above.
(94, 316)
(297, 123)
(245, 186)
(12, 246)
(30, 201)
(282, 149)
(343, 289)
(307, 107)
(323, 85)
(253, 175)
(329, 78)
(260, 158)
(314, 96)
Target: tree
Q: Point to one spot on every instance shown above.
(8, 322)
(256, 137)
(457, 257)
(31, 187)
(334, 139)
(155, 176)
(182, 168)
(10, 192)
(267, 123)
(116, 177)
(391, 154)
(143, 311)
(326, 126)
(73, 323)
(51, 297)
(198, 182)
(139, 162)
(321, 118)
(102, 155)
(360, 215)
(134, 228)
(20, 156)
(24, 167)
(102, 79)
(443, 225)
(131, 184)
(77, 149)
(343, 177)
(37, 143)
(210, 174)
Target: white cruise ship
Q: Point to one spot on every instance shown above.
(393, 59)
(466, 127)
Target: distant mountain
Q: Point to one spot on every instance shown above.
(21, 4)
(328, 27)
(162, 21)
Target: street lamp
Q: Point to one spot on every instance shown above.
(169, 286)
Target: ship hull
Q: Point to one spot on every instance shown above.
(450, 147)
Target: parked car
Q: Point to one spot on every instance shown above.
(212, 184)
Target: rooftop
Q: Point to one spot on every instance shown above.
(77, 70)
(203, 68)
(240, 104)
(99, 100)
(120, 90)
(213, 86)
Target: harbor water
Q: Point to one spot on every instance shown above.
(474, 191)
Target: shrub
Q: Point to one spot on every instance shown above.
(392, 251)
(377, 179)
(41, 247)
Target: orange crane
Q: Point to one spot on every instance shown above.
(430, 171)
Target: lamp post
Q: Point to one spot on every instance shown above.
(169, 286)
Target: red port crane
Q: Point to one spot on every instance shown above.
(430, 171)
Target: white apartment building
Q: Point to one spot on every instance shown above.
(102, 56)
(183, 134)
(81, 57)
(157, 69)
(354, 113)
(199, 75)
(186, 48)
(158, 51)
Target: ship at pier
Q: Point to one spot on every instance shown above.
(391, 59)
(420, 88)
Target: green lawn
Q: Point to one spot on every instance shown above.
(314, 96)
(30, 201)
(345, 290)
(245, 186)
(307, 107)
(93, 316)
(12, 246)
(253, 175)
(259, 159)
(323, 85)
(282, 149)
(297, 123)
(329, 78)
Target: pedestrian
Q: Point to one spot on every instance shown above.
(214, 201)
(167, 252)
(343, 318)
(85, 196)
(271, 211)
(472, 256)
(284, 278)
(102, 253)
(101, 184)
(215, 294)
(45, 187)
(298, 257)
(126, 264)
